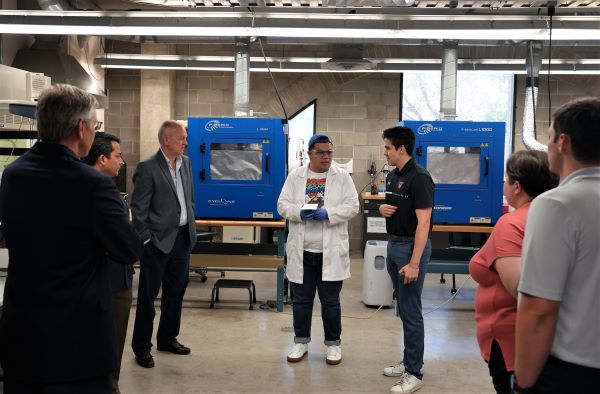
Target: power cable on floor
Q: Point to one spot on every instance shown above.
(267, 307)
(363, 317)
(449, 299)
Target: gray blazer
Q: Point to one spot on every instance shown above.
(154, 204)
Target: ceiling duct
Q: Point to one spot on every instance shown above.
(293, 3)
(62, 5)
(397, 3)
(241, 77)
(55, 5)
(45, 57)
(533, 63)
(348, 58)
(449, 77)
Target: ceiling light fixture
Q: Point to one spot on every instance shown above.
(338, 34)
(323, 26)
(511, 66)
(113, 57)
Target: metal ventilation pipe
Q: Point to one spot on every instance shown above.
(448, 86)
(533, 63)
(62, 5)
(55, 5)
(241, 77)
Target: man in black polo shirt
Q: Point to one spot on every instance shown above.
(407, 209)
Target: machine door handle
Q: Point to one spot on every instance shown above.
(487, 166)
(202, 147)
(202, 175)
(266, 162)
(420, 151)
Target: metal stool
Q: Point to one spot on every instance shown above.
(236, 284)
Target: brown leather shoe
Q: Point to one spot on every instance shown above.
(145, 360)
(175, 348)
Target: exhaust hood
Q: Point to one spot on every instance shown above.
(62, 68)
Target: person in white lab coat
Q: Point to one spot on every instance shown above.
(317, 246)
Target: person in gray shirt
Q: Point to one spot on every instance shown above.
(557, 346)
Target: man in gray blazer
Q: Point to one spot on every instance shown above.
(162, 207)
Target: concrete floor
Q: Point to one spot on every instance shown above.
(236, 350)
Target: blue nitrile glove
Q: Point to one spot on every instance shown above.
(320, 214)
(306, 214)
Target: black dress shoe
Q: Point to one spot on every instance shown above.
(145, 360)
(175, 347)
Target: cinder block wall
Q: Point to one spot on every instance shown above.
(563, 88)
(123, 115)
(352, 109)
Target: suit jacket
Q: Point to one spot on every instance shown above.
(154, 204)
(61, 219)
(121, 275)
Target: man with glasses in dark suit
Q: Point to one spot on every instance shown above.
(61, 219)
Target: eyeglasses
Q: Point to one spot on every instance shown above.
(323, 153)
(97, 126)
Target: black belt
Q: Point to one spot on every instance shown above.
(400, 238)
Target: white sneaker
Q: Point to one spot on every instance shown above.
(394, 370)
(408, 384)
(334, 355)
(298, 352)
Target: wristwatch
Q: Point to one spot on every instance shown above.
(514, 386)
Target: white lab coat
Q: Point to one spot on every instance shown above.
(341, 202)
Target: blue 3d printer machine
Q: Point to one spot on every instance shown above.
(466, 161)
(239, 166)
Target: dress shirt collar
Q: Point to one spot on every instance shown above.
(177, 160)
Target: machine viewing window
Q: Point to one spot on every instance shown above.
(455, 165)
(236, 161)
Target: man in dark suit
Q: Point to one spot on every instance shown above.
(61, 218)
(162, 207)
(105, 156)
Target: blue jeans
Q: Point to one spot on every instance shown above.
(303, 296)
(408, 301)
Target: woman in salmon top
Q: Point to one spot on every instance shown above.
(497, 266)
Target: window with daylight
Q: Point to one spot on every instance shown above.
(480, 97)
